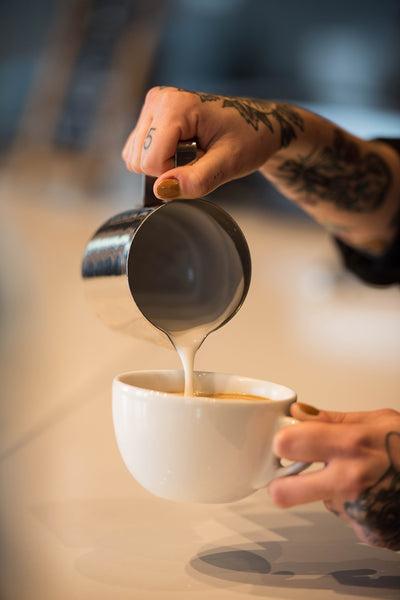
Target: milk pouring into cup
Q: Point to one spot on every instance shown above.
(169, 273)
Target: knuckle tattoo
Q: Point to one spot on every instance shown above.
(149, 138)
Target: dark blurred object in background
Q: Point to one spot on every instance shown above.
(344, 52)
(73, 73)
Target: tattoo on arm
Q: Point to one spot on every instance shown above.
(148, 139)
(255, 111)
(336, 228)
(373, 246)
(377, 509)
(340, 175)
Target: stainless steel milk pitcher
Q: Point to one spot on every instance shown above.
(169, 267)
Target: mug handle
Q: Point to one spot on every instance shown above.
(295, 467)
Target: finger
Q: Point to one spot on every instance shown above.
(128, 144)
(142, 134)
(165, 120)
(159, 148)
(305, 412)
(366, 416)
(131, 152)
(313, 441)
(137, 133)
(337, 508)
(199, 178)
(301, 489)
(307, 442)
(125, 149)
(337, 483)
(128, 150)
(152, 149)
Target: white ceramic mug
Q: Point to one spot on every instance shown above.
(198, 449)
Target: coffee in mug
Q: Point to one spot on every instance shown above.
(214, 447)
(226, 396)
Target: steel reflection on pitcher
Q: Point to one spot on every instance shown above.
(169, 268)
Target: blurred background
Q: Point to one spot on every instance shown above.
(73, 75)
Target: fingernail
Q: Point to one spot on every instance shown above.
(309, 410)
(169, 188)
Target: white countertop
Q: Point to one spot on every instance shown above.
(74, 522)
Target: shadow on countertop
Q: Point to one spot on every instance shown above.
(333, 560)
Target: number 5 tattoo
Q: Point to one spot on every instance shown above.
(148, 139)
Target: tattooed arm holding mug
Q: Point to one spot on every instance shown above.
(352, 188)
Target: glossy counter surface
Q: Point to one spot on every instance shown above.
(75, 524)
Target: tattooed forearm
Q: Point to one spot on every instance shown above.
(336, 228)
(377, 509)
(340, 175)
(256, 112)
(374, 246)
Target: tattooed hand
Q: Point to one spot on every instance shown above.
(349, 185)
(235, 136)
(360, 482)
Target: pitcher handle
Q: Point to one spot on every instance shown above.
(186, 151)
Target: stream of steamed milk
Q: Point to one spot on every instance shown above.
(186, 276)
(187, 354)
(186, 343)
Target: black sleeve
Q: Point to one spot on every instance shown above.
(381, 270)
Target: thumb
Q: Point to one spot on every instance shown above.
(196, 179)
(305, 412)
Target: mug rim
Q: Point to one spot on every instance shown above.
(290, 394)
